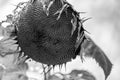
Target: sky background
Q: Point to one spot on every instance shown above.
(104, 28)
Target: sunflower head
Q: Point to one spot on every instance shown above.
(49, 31)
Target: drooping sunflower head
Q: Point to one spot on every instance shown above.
(48, 31)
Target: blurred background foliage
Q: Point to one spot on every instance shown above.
(104, 28)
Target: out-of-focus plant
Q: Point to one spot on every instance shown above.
(12, 64)
(73, 75)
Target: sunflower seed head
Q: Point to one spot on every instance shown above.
(48, 31)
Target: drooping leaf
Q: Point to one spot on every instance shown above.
(92, 50)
